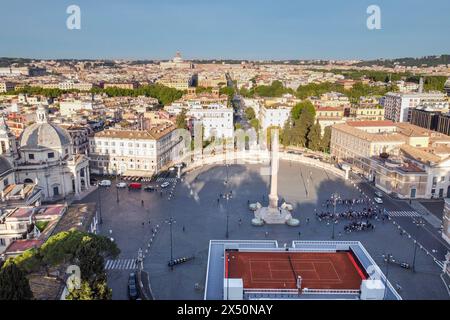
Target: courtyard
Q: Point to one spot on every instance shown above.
(199, 217)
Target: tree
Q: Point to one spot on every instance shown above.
(96, 291)
(326, 140)
(90, 260)
(286, 134)
(250, 113)
(314, 137)
(302, 127)
(14, 284)
(255, 124)
(181, 120)
(299, 107)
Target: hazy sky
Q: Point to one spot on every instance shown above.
(237, 29)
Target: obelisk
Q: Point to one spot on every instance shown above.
(273, 196)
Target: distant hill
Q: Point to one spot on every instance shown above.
(6, 62)
(428, 61)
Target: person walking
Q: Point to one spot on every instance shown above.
(142, 202)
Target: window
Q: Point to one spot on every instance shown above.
(31, 156)
(5, 182)
(2, 242)
(51, 155)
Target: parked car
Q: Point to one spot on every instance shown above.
(121, 185)
(135, 186)
(149, 189)
(379, 194)
(165, 184)
(105, 183)
(132, 288)
(378, 200)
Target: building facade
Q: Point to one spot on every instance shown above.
(133, 153)
(401, 159)
(398, 106)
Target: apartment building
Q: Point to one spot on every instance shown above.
(398, 106)
(71, 85)
(216, 119)
(275, 115)
(121, 85)
(212, 79)
(367, 113)
(69, 107)
(6, 86)
(328, 116)
(179, 81)
(133, 153)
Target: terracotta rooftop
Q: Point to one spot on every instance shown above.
(19, 246)
(361, 134)
(421, 154)
(380, 123)
(152, 134)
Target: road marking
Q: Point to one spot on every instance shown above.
(411, 214)
(120, 264)
(166, 180)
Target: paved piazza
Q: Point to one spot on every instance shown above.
(194, 207)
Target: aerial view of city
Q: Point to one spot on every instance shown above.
(242, 151)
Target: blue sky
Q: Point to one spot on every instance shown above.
(237, 29)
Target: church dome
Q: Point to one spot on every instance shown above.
(5, 165)
(44, 135)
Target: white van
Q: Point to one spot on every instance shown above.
(105, 183)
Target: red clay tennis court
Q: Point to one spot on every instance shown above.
(280, 270)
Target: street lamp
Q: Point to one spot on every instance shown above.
(335, 197)
(117, 189)
(227, 196)
(226, 169)
(170, 222)
(414, 258)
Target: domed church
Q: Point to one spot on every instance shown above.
(44, 156)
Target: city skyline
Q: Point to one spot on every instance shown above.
(206, 30)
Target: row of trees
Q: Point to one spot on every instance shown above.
(251, 117)
(165, 95)
(302, 130)
(276, 89)
(359, 89)
(85, 250)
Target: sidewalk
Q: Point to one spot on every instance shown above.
(144, 286)
(427, 215)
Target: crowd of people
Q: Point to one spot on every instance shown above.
(359, 226)
(344, 202)
(350, 214)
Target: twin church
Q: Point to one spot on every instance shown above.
(43, 156)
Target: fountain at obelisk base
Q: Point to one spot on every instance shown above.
(273, 214)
